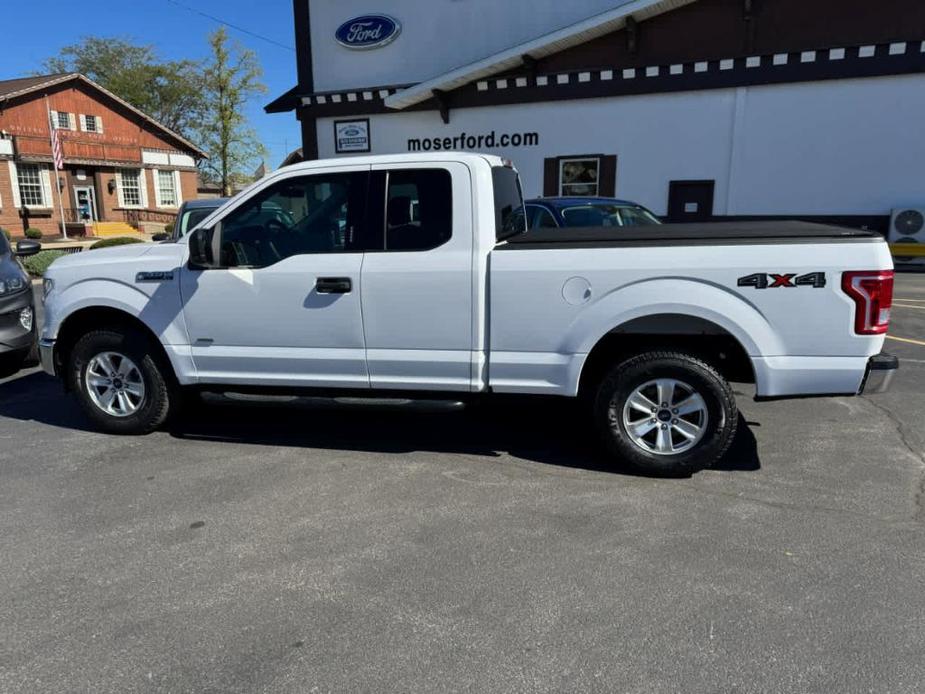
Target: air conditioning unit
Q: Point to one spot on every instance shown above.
(907, 227)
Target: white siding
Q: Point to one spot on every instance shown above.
(488, 26)
(14, 184)
(156, 158)
(182, 160)
(838, 147)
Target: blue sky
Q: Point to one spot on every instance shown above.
(175, 32)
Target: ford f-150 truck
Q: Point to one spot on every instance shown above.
(387, 274)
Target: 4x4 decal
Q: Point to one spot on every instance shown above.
(771, 280)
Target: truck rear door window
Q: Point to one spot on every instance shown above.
(510, 219)
(419, 209)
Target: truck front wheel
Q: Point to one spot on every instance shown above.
(665, 413)
(119, 382)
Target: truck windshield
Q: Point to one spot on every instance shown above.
(510, 219)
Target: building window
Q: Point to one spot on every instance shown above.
(31, 193)
(579, 177)
(166, 189)
(90, 124)
(131, 187)
(63, 121)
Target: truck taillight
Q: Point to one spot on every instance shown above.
(872, 291)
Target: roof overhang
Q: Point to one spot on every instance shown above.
(559, 40)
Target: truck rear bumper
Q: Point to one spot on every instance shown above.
(803, 377)
(880, 371)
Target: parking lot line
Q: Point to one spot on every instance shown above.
(917, 308)
(906, 339)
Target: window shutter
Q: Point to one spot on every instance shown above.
(99, 125)
(72, 121)
(83, 123)
(143, 185)
(550, 176)
(119, 195)
(157, 188)
(178, 188)
(607, 177)
(14, 184)
(46, 188)
(54, 120)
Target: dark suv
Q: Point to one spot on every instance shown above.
(17, 306)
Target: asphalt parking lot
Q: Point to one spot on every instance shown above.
(315, 549)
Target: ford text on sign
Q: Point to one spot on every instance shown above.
(368, 31)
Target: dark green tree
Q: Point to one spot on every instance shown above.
(168, 91)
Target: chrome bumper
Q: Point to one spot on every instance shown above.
(880, 371)
(47, 355)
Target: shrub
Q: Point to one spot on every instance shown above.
(168, 228)
(33, 233)
(116, 241)
(8, 235)
(37, 264)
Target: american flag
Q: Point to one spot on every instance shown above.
(56, 149)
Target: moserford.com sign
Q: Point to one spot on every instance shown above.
(491, 140)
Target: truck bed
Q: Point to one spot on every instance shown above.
(710, 233)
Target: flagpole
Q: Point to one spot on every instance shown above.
(54, 163)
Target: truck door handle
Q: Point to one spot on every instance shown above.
(333, 285)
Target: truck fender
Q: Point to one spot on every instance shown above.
(160, 311)
(710, 302)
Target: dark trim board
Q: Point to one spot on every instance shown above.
(817, 65)
(301, 15)
(309, 127)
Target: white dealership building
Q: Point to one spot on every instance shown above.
(694, 108)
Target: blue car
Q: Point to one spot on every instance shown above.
(586, 212)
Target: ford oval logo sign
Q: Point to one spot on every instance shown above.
(368, 31)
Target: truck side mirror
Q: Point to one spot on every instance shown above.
(27, 248)
(201, 256)
(161, 236)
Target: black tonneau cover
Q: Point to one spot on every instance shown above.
(710, 233)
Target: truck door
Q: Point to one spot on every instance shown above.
(417, 290)
(283, 305)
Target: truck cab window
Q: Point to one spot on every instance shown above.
(419, 209)
(510, 218)
(296, 216)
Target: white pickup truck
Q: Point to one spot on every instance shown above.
(378, 275)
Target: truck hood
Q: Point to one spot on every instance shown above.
(103, 255)
(120, 262)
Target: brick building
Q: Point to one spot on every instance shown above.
(122, 169)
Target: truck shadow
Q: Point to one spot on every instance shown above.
(546, 431)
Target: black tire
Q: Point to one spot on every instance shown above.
(159, 390)
(623, 380)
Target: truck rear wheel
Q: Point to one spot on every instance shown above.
(665, 413)
(118, 381)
